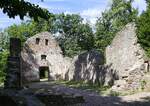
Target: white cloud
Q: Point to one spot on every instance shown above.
(140, 4)
(90, 15)
(91, 12)
(43, 5)
(55, 0)
(51, 8)
(68, 12)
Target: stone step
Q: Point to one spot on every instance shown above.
(13, 77)
(14, 69)
(59, 99)
(13, 59)
(16, 74)
(73, 99)
(13, 63)
(10, 85)
(50, 99)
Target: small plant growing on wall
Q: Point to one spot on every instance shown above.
(143, 84)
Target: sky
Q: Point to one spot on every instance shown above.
(88, 9)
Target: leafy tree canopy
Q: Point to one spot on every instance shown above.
(3, 54)
(143, 29)
(74, 36)
(23, 8)
(112, 20)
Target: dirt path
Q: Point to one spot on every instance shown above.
(94, 99)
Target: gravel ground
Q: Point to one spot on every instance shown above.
(94, 99)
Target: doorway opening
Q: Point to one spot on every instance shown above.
(44, 73)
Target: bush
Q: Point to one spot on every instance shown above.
(3, 65)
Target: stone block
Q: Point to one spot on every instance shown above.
(15, 47)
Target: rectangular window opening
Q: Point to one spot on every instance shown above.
(43, 57)
(37, 40)
(46, 41)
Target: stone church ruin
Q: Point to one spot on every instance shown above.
(15, 93)
(42, 59)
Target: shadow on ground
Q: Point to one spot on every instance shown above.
(94, 99)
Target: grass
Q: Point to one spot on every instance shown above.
(84, 86)
(102, 90)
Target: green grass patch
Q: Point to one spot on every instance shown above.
(84, 86)
(102, 90)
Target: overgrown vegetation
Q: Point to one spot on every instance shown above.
(74, 36)
(102, 90)
(113, 20)
(3, 54)
(3, 62)
(84, 86)
(143, 83)
(143, 29)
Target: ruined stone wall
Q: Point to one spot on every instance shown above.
(31, 57)
(125, 52)
(86, 67)
(13, 71)
(126, 57)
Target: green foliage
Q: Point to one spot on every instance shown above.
(86, 37)
(22, 31)
(84, 86)
(74, 35)
(114, 93)
(67, 26)
(4, 41)
(143, 84)
(112, 20)
(44, 25)
(23, 8)
(143, 29)
(3, 66)
(29, 28)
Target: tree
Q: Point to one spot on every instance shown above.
(23, 8)
(86, 37)
(143, 29)
(44, 25)
(30, 28)
(74, 35)
(112, 20)
(22, 31)
(4, 40)
(3, 62)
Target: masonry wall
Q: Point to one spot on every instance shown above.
(34, 48)
(126, 57)
(125, 52)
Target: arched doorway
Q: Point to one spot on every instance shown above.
(44, 73)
